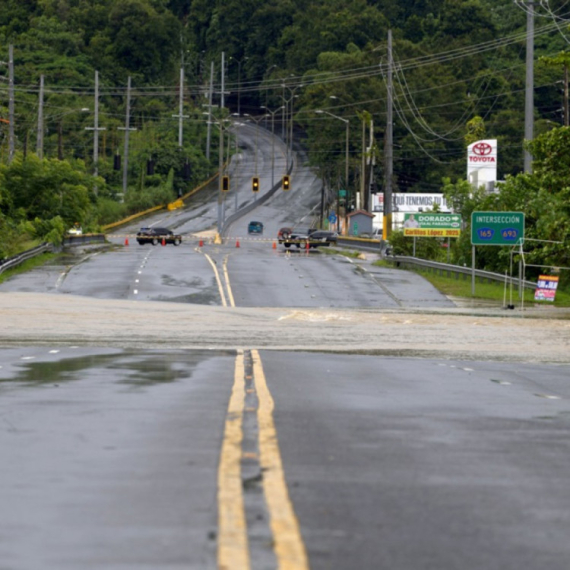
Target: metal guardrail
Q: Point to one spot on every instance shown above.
(364, 244)
(15, 260)
(70, 241)
(457, 270)
(447, 269)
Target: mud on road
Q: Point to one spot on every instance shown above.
(533, 335)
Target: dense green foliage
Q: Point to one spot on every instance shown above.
(459, 73)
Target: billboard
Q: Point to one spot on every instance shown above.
(432, 224)
(482, 162)
(412, 202)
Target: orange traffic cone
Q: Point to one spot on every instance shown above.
(126, 241)
(274, 245)
(237, 243)
(201, 243)
(163, 241)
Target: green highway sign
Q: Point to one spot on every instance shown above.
(497, 228)
(432, 224)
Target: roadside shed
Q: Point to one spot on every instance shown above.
(360, 222)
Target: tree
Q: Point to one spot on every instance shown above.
(47, 188)
(475, 130)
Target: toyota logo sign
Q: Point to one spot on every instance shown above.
(482, 149)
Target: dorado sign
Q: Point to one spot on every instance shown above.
(432, 225)
(482, 162)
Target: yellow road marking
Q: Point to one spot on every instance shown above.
(233, 549)
(288, 543)
(218, 280)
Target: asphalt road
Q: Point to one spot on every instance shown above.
(237, 405)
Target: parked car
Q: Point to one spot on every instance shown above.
(255, 228)
(155, 236)
(322, 237)
(300, 236)
(284, 233)
(376, 234)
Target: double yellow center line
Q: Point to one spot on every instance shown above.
(233, 545)
(233, 542)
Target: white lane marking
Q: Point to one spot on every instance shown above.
(218, 280)
(548, 396)
(228, 286)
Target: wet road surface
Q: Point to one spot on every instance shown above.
(238, 405)
(127, 459)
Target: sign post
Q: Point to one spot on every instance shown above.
(495, 228)
(546, 288)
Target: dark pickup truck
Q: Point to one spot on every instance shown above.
(303, 236)
(158, 235)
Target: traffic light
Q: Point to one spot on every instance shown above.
(255, 184)
(286, 183)
(225, 183)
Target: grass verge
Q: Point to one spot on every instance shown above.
(27, 265)
(488, 291)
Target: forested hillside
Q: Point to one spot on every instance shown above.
(455, 61)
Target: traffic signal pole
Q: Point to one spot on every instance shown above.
(387, 216)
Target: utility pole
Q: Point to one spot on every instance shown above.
(566, 114)
(127, 130)
(360, 198)
(210, 94)
(371, 162)
(529, 86)
(220, 176)
(95, 128)
(40, 139)
(180, 116)
(11, 137)
(223, 72)
(387, 217)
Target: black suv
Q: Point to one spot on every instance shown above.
(158, 235)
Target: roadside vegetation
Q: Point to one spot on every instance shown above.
(490, 291)
(28, 265)
(459, 75)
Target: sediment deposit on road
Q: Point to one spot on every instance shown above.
(539, 336)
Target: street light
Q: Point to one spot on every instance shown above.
(220, 124)
(256, 120)
(239, 62)
(290, 127)
(347, 123)
(272, 113)
(237, 171)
